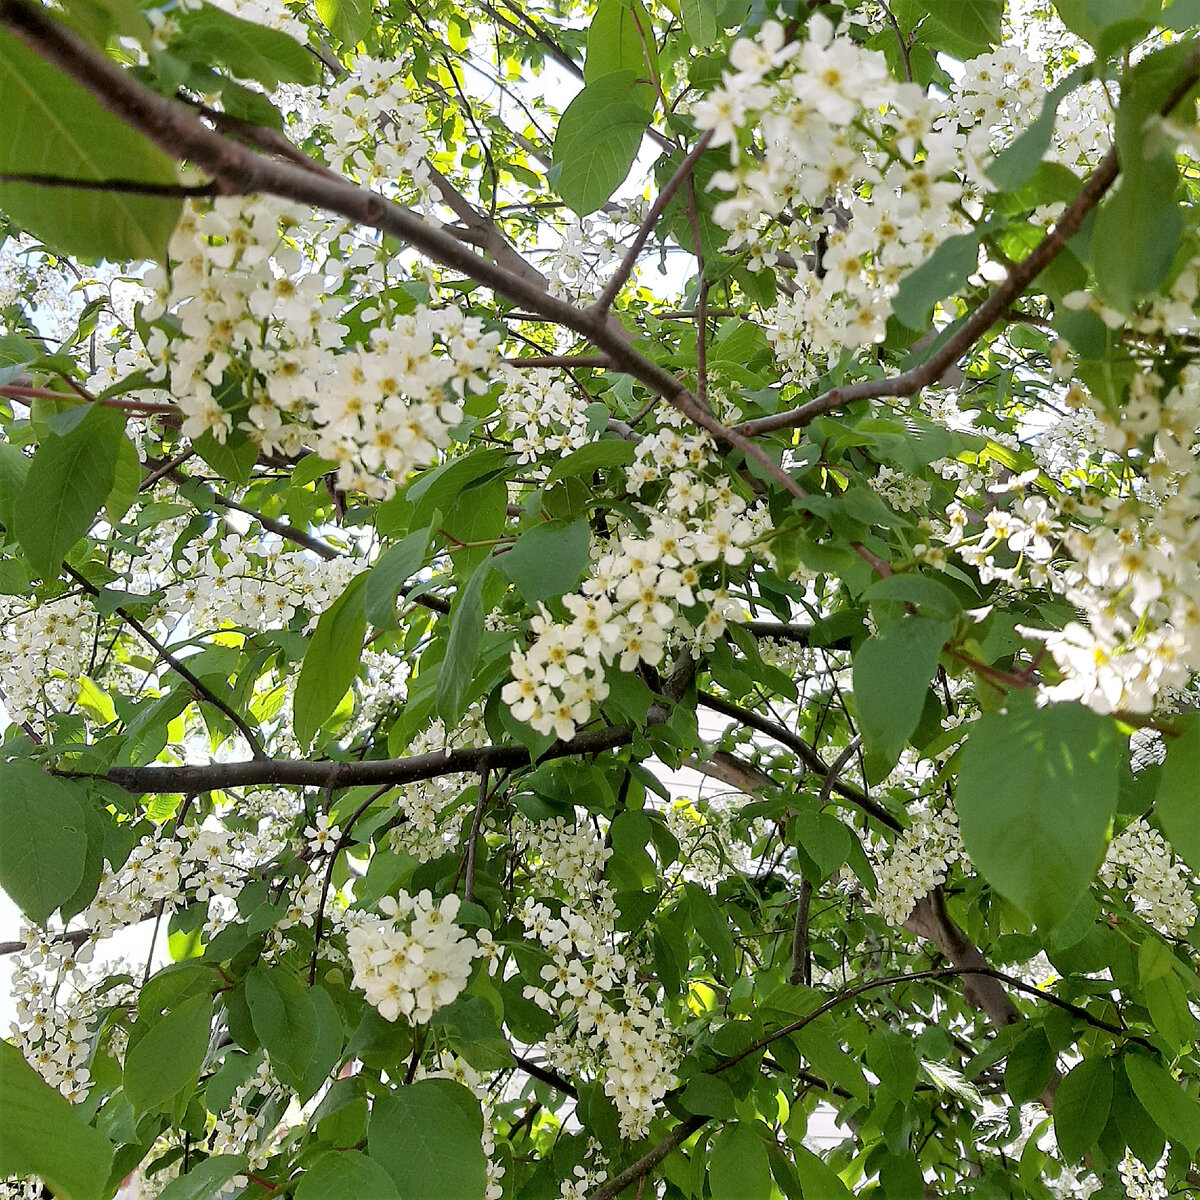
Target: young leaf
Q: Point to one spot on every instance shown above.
(1175, 1113)
(392, 570)
(41, 1134)
(69, 479)
(331, 663)
(53, 126)
(43, 847)
(1037, 790)
(298, 1026)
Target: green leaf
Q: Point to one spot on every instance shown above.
(1170, 1107)
(1109, 24)
(598, 138)
(941, 275)
(709, 1096)
(392, 570)
(710, 923)
(1178, 804)
(43, 847)
(298, 1027)
(247, 49)
(737, 1165)
(345, 1174)
(921, 590)
(615, 44)
(69, 479)
(53, 126)
(966, 27)
(1037, 790)
(818, 1179)
(699, 21)
(547, 560)
(127, 477)
(595, 456)
(165, 1062)
(331, 663)
(14, 470)
(427, 1137)
(42, 1135)
(206, 1179)
(892, 1058)
(1081, 1107)
(232, 459)
(348, 20)
(1030, 1067)
(892, 671)
(1016, 164)
(462, 647)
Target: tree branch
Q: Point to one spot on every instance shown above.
(993, 309)
(644, 1165)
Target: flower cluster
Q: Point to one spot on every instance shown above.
(545, 417)
(902, 492)
(44, 649)
(261, 343)
(649, 588)
(416, 960)
(920, 860)
(1142, 1182)
(1160, 885)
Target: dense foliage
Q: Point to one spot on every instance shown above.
(427, 425)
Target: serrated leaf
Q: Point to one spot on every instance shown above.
(393, 569)
(462, 647)
(206, 1180)
(595, 456)
(43, 1136)
(700, 21)
(53, 126)
(1037, 790)
(249, 50)
(298, 1027)
(69, 479)
(1081, 1107)
(347, 20)
(43, 846)
(1178, 803)
(818, 1179)
(737, 1165)
(331, 663)
(427, 1137)
(547, 560)
(232, 459)
(344, 1174)
(1175, 1113)
(615, 43)
(941, 275)
(967, 27)
(598, 137)
(165, 1062)
(892, 671)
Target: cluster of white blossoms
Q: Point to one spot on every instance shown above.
(1142, 1182)
(262, 349)
(920, 860)
(376, 131)
(1015, 545)
(544, 415)
(1160, 886)
(646, 592)
(251, 584)
(881, 178)
(44, 649)
(247, 1123)
(608, 1026)
(903, 492)
(413, 960)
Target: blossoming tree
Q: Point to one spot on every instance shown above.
(427, 427)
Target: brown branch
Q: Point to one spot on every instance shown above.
(203, 692)
(618, 281)
(805, 752)
(268, 772)
(134, 187)
(993, 309)
(644, 1165)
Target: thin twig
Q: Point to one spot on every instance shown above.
(202, 690)
(625, 269)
